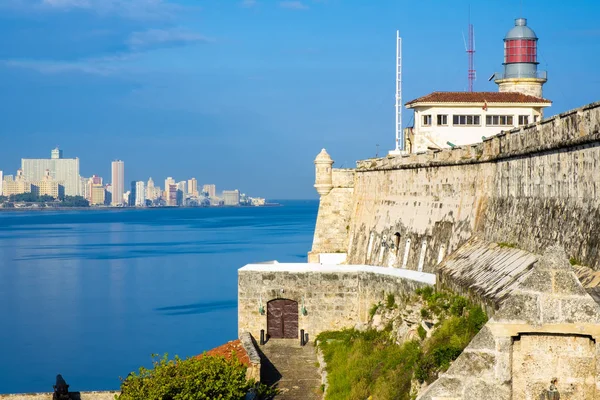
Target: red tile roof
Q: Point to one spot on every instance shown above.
(228, 350)
(478, 97)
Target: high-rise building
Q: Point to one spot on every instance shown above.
(150, 190)
(118, 182)
(231, 197)
(171, 194)
(169, 181)
(192, 187)
(210, 190)
(98, 194)
(61, 169)
(182, 186)
(140, 194)
(132, 194)
(94, 180)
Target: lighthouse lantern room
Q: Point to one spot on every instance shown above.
(520, 62)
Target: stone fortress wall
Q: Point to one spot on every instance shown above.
(498, 222)
(334, 297)
(533, 187)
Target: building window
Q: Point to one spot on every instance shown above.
(535, 118)
(465, 120)
(499, 120)
(523, 119)
(442, 120)
(427, 120)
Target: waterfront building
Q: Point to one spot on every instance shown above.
(171, 194)
(93, 180)
(61, 169)
(98, 194)
(1, 181)
(132, 194)
(140, 194)
(182, 186)
(192, 187)
(150, 195)
(210, 190)
(17, 185)
(181, 191)
(448, 119)
(84, 188)
(108, 194)
(231, 197)
(49, 187)
(118, 182)
(169, 181)
(257, 201)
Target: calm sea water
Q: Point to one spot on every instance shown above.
(92, 294)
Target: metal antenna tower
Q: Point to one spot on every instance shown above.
(399, 131)
(471, 53)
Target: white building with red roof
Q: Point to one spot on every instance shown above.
(448, 119)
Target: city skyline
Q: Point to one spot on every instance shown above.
(40, 165)
(252, 91)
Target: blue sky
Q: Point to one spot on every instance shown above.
(244, 94)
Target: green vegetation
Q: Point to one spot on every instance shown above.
(390, 301)
(373, 310)
(422, 332)
(575, 261)
(204, 378)
(506, 244)
(67, 201)
(370, 363)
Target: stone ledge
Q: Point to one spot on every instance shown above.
(295, 268)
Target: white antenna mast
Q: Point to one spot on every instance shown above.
(399, 131)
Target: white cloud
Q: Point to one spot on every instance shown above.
(94, 66)
(134, 9)
(156, 37)
(293, 5)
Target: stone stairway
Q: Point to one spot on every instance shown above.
(293, 369)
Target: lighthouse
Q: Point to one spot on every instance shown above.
(520, 62)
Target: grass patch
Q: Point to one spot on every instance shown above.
(506, 244)
(373, 310)
(575, 261)
(390, 301)
(370, 363)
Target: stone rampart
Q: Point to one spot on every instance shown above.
(334, 297)
(334, 214)
(533, 187)
(549, 327)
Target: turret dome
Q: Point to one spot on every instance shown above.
(520, 31)
(323, 156)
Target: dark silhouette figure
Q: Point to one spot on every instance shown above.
(61, 389)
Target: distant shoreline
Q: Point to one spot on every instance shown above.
(41, 209)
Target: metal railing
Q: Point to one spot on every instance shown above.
(538, 75)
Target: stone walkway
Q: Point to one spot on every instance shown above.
(292, 368)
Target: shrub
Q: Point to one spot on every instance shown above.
(390, 301)
(422, 332)
(202, 378)
(458, 305)
(370, 363)
(373, 310)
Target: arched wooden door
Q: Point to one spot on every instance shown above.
(282, 319)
